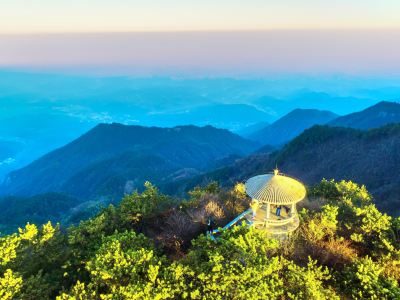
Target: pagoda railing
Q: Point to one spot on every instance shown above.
(283, 221)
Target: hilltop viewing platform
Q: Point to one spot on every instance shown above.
(275, 196)
(273, 207)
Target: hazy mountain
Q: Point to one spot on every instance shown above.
(336, 102)
(252, 128)
(375, 116)
(30, 136)
(230, 116)
(334, 99)
(112, 159)
(8, 149)
(368, 157)
(44, 111)
(291, 125)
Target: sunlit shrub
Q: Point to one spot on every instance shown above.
(364, 280)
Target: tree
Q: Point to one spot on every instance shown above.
(136, 207)
(345, 246)
(10, 285)
(363, 280)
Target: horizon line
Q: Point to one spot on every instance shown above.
(201, 30)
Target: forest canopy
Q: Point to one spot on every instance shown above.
(152, 246)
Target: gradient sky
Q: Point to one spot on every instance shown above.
(31, 16)
(210, 37)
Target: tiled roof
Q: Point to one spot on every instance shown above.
(275, 189)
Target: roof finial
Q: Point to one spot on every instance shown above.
(276, 170)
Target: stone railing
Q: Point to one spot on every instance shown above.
(283, 221)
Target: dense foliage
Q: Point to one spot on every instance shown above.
(14, 210)
(151, 246)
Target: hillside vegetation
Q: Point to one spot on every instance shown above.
(369, 157)
(15, 211)
(151, 246)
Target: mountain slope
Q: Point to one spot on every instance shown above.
(368, 157)
(375, 116)
(291, 125)
(111, 158)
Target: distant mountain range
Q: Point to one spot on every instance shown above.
(43, 111)
(291, 125)
(373, 117)
(298, 120)
(112, 159)
(230, 116)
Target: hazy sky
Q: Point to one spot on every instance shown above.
(210, 53)
(215, 36)
(26, 16)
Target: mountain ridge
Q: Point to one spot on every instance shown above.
(174, 148)
(291, 125)
(380, 114)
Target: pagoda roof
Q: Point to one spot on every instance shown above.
(275, 188)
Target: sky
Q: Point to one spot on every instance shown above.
(204, 37)
(33, 16)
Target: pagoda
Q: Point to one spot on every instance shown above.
(277, 196)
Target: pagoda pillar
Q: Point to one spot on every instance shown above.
(293, 209)
(268, 210)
